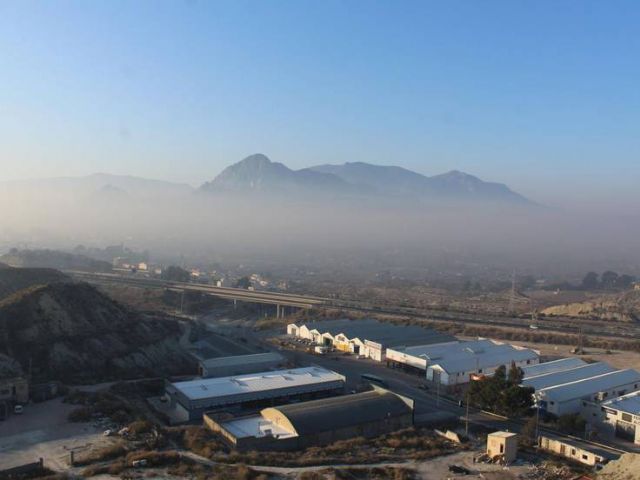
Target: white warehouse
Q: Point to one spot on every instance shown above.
(453, 363)
(192, 398)
(570, 398)
(582, 372)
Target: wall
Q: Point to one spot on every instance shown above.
(575, 405)
(401, 357)
(505, 446)
(566, 450)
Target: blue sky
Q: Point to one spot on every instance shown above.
(542, 95)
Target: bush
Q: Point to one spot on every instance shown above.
(140, 426)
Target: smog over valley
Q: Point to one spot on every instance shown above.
(319, 240)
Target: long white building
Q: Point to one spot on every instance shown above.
(192, 398)
(453, 363)
(368, 338)
(582, 372)
(572, 397)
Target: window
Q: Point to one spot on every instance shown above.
(573, 452)
(528, 362)
(480, 371)
(502, 448)
(585, 457)
(627, 417)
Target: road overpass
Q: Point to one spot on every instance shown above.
(280, 300)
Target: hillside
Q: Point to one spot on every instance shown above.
(74, 333)
(13, 280)
(53, 259)
(617, 307)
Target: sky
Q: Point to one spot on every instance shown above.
(543, 96)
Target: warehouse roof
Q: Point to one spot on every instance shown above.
(551, 367)
(566, 376)
(438, 351)
(629, 403)
(590, 386)
(472, 359)
(235, 360)
(256, 382)
(387, 334)
(340, 412)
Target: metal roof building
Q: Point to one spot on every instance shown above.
(196, 396)
(568, 398)
(365, 337)
(566, 376)
(420, 356)
(318, 422)
(622, 416)
(559, 365)
(240, 364)
(460, 363)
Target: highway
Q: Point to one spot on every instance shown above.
(612, 330)
(263, 297)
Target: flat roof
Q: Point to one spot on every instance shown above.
(553, 366)
(255, 426)
(565, 376)
(589, 386)
(502, 434)
(234, 360)
(255, 382)
(629, 403)
(385, 333)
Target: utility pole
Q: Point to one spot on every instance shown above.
(182, 301)
(537, 422)
(466, 420)
(438, 393)
(512, 297)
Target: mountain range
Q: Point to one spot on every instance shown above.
(257, 173)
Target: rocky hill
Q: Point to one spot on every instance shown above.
(13, 280)
(75, 334)
(623, 307)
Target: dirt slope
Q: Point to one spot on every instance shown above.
(73, 333)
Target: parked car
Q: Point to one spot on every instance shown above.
(459, 470)
(18, 409)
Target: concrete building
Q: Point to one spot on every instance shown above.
(554, 366)
(575, 451)
(572, 397)
(368, 338)
(240, 364)
(456, 362)
(315, 423)
(503, 445)
(192, 398)
(566, 376)
(619, 416)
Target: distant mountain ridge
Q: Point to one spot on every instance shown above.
(257, 173)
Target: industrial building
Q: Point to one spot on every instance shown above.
(572, 397)
(619, 416)
(318, 422)
(566, 376)
(578, 452)
(554, 366)
(192, 398)
(368, 338)
(240, 364)
(453, 363)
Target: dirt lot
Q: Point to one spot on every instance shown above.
(43, 431)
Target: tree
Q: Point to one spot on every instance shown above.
(243, 282)
(609, 280)
(625, 281)
(175, 274)
(515, 374)
(590, 281)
